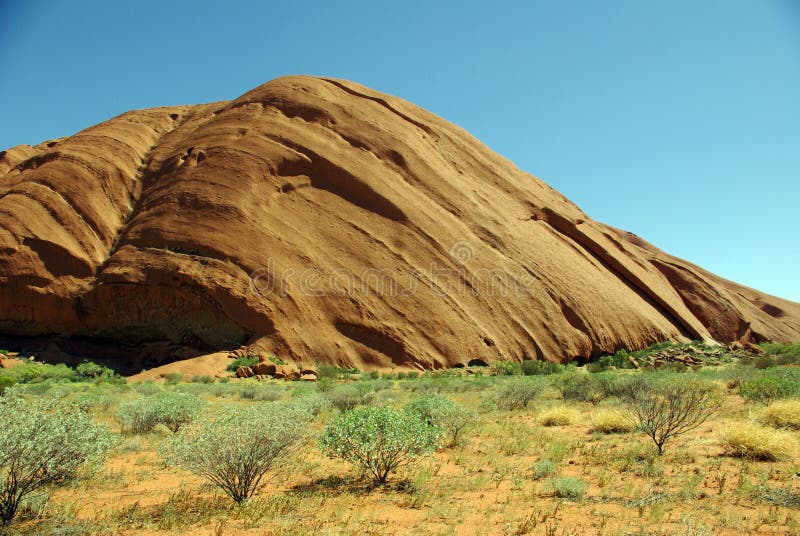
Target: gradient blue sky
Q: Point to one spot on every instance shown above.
(676, 120)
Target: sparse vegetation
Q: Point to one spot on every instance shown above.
(246, 361)
(558, 455)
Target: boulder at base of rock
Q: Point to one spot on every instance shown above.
(264, 368)
(308, 377)
(244, 372)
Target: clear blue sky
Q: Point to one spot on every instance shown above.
(676, 120)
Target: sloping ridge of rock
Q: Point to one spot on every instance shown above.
(323, 221)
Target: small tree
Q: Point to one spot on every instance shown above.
(236, 447)
(665, 409)
(438, 411)
(43, 443)
(378, 439)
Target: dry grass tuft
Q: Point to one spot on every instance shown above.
(782, 414)
(559, 416)
(754, 441)
(610, 422)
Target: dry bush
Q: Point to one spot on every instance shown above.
(665, 408)
(559, 416)
(610, 422)
(782, 414)
(754, 441)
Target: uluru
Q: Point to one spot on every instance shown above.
(323, 221)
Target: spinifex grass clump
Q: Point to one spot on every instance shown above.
(234, 448)
(378, 439)
(754, 441)
(43, 443)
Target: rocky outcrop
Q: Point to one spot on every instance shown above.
(322, 221)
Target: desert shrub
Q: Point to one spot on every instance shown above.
(6, 381)
(506, 368)
(89, 370)
(43, 443)
(147, 388)
(246, 361)
(593, 388)
(31, 372)
(261, 393)
(559, 416)
(782, 414)
(351, 395)
(544, 468)
(173, 378)
(567, 487)
(234, 448)
(772, 384)
(378, 439)
(784, 354)
(754, 441)
(665, 409)
(517, 393)
(439, 411)
(172, 409)
(610, 422)
(202, 378)
(536, 367)
(311, 403)
(762, 362)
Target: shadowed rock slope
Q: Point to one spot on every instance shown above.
(323, 221)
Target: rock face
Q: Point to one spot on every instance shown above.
(319, 220)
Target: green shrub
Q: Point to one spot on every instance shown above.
(593, 388)
(506, 368)
(247, 361)
(89, 370)
(311, 403)
(537, 367)
(438, 411)
(663, 410)
(379, 440)
(41, 444)
(517, 393)
(173, 378)
(351, 395)
(772, 384)
(567, 487)
(6, 381)
(544, 468)
(31, 372)
(202, 379)
(236, 447)
(147, 388)
(172, 409)
(764, 361)
(261, 393)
